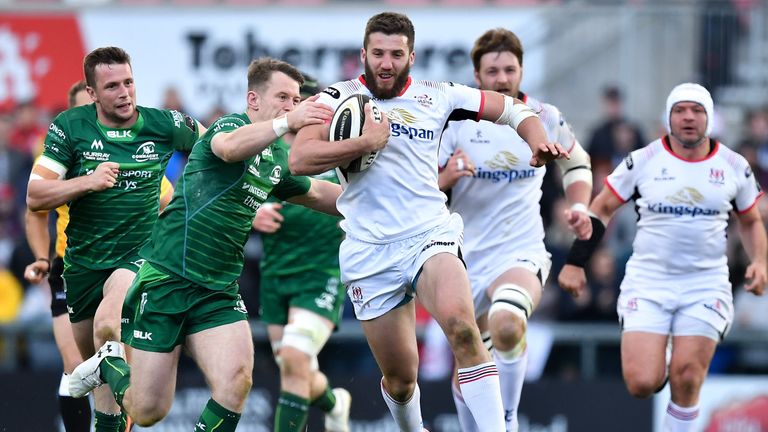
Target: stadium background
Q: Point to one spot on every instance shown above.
(192, 54)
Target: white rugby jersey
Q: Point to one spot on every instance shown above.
(398, 197)
(500, 203)
(682, 206)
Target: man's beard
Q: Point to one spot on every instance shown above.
(691, 144)
(379, 93)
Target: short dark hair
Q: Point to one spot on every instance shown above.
(612, 93)
(390, 23)
(104, 55)
(496, 40)
(261, 70)
(73, 91)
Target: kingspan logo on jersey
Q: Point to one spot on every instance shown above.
(684, 202)
(146, 152)
(401, 123)
(502, 168)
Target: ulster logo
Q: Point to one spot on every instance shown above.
(716, 176)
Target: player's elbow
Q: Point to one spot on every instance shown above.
(297, 164)
(35, 204)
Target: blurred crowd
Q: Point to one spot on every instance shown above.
(23, 128)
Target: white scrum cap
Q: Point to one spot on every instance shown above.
(690, 92)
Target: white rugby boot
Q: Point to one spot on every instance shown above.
(338, 419)
(87, 375)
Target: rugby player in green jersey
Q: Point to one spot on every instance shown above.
(301, 301)
(186, 293)
(106, 159)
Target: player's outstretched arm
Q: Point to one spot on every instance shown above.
(47, 189)
(313, 153)
(246, 141)
(753, 236)
(502, 109)
(39, 239)
(321, 196)
(572, 278)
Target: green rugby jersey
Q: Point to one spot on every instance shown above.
(201, 234)
(307, 239)
(106, 227)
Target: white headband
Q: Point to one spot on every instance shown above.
(690, 92)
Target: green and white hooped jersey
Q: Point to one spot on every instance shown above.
(107, 226)
(201, 234)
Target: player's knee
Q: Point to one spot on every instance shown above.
(105, 329)
(400, 389)
(294, 363)
(460, 331)
(641, 387)
(511, 306)
(149, 413)
(687, 377)
(307, 333)
(507, 331)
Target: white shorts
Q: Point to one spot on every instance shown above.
(481, 277)
(381, 277)
(700, 305)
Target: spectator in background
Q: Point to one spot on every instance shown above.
(14, 170)
(614, 137)
(27, 134)
(754, 145)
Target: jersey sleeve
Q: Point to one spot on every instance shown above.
(58, 151)
(185, 132)
(466, 103)
(623, 179)
(291, 186)
(448, 143)
(748, 191)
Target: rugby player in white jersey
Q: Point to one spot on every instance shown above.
(497, 193)
(401, 238)
(684, 186)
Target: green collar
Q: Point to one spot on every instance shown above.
(123, 135)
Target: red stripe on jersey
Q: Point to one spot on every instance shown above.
(613, 191)
(760, 195)
(482, 106)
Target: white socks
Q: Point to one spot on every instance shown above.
(482, 394)
(511, 376)
(407, 415)
(466, 421)
(680, 419)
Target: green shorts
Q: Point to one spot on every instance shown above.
(161, 309)
(320, 292)
(84, 287)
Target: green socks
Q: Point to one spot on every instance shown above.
(291, 413)
(106, 422)
(325, 401)
(216, 417)
(116, 372)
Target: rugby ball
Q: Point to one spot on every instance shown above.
(348, 121)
